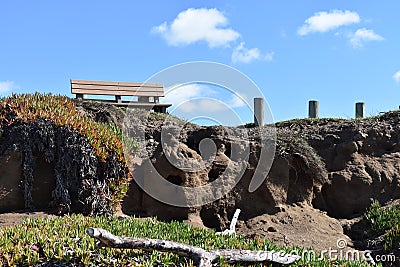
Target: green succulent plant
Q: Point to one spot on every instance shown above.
(62, 111)
(384, 221)
(64, 239)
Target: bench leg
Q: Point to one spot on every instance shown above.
(79, 96)
(118, 99)
(160, 109)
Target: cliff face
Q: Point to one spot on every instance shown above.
(296, 175)
(176, 151)
(334, 165)
(362, 158)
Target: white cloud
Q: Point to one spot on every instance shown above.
(364, 35)
(210, 26)
(210, 105)
(396, 76)
(205, 105)
(179, 94)
(6, 87)
(326, 21)
(201, 98)
(182, 96)
(269, 56)
(194, 25)
(241, 54)
(236, 101)
(245, 55)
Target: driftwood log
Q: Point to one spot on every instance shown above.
(232, 227)
(201, 257)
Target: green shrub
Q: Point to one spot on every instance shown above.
(384, 221)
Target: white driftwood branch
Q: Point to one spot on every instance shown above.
(237, 255)
(201, 257)
(232, 227)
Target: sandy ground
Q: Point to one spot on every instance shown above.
(298, 225)
(13, 218)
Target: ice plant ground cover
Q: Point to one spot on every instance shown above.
(384, 221)
(62, 111)
(64, 239)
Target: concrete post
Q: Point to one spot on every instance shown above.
(259, 111)
(313, 108)
(360, 110)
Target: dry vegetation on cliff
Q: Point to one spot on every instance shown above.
(87, 157)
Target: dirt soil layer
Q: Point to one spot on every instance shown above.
(362, 158)
(299, 225)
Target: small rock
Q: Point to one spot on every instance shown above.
(272, 229)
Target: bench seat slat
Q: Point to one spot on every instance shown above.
(138, 104)
(108, 87)
(108, 83)
(116, 88)
(118, 93)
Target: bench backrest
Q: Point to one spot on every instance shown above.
(84, 87)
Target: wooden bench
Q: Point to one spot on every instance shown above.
(148, 93)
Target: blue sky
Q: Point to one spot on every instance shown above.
(337, 52)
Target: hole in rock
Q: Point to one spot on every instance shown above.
(213, 174)
(177, 180)
(44, 183)
(210, 219)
